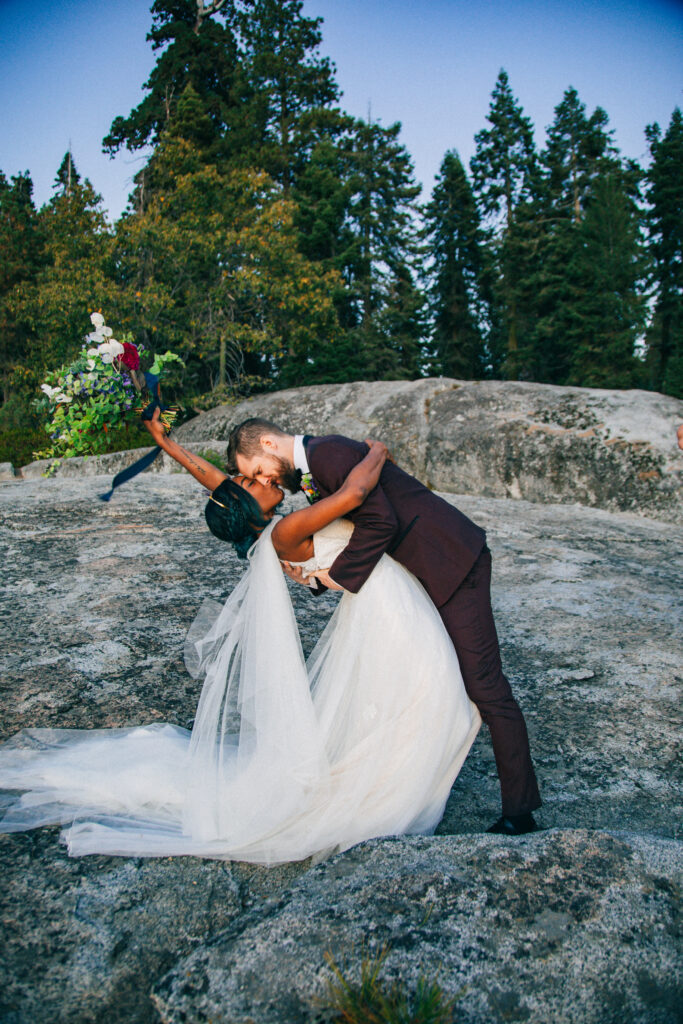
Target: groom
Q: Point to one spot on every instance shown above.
(438, 544)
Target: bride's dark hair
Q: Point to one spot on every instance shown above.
(233, 515)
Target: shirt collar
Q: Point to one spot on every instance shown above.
(299, 454)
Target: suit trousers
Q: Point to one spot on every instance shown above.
(468, 618)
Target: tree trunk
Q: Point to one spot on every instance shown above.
(205, 11)
(221, 363)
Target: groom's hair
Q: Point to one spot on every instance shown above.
(245, 439)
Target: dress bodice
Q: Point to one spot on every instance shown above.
(328, 544)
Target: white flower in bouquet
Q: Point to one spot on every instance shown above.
(55, 394)
(108, 351)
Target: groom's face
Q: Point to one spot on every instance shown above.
(270, 470)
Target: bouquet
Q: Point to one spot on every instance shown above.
(103, 388)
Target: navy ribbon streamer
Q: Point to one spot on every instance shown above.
(152, 382)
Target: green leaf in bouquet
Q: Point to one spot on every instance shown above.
(163, 360)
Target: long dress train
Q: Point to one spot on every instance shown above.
(286, 759)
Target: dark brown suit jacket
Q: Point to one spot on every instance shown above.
(401, 517)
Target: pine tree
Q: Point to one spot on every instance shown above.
(608, 313)
(198, 47)
(453, 232)
(78, 274)
(665, 222)
(292, 86)
(577, 151)
(323, 196)
(260, 93)
(588, 301)
(22, 245)
(504, 171)
(67, 175)
(381, 268)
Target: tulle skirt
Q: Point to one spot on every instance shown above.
(286, 759)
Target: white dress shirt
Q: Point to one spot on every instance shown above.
(299, 454)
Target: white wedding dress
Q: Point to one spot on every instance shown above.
(286, 759)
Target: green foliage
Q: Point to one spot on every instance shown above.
(385, 304)
(214, 268)
(290, 86)
(665, 224)
(21, 431)
(272, 240)
(590, 306)
(610, 312)
(505, 177)
(22, 246)
(371, 1001)
(196, 51)
(504, 163)
(75, 275)
(215, 458)
(452, 229)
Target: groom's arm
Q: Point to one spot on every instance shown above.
(375, 523)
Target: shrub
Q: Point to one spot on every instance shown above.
(215, 458)
(371, 1001)
(21, 432)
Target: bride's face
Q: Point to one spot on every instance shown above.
(267, 498)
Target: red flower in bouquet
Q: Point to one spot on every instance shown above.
(130, 357)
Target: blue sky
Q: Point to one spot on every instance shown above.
(67, 68)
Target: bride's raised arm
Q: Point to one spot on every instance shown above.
(291, 536)
(210, 476)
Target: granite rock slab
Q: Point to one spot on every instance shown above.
(615, 450)
(95, 602)
(566, 926)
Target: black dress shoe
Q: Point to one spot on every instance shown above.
(516, 825)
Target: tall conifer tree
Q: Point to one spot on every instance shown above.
(665, 222)
(504, 170)
(381, 269)
(77, 276)
(590, 254)
(292, 86)
(22, 244)
(215, 272)
(603, 323)
(197, 45)
(453, 234)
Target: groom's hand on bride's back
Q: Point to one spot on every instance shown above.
(323, 577)
(296, 573)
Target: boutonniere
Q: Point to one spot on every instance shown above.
(309, 487)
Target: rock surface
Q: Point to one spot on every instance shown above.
(615, 450)
(549, 929)
(580, 923)
(113, 462)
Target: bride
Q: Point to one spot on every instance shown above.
(286, 759)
